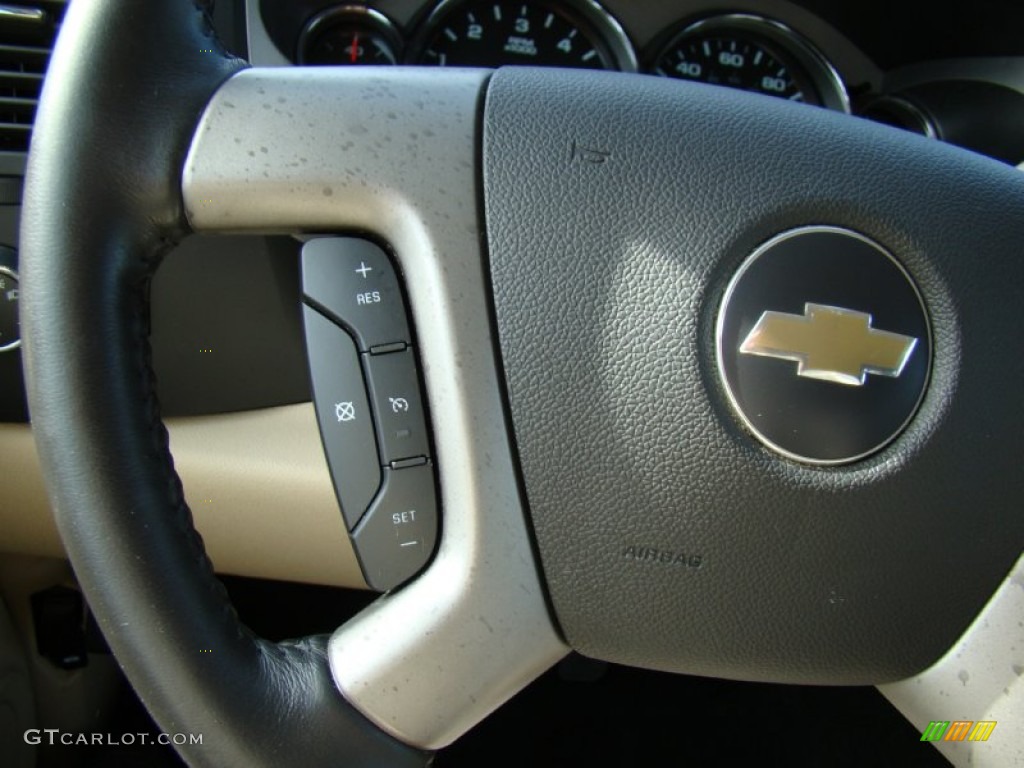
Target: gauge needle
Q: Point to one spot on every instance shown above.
(355, 47)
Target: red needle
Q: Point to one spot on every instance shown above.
(355, 44)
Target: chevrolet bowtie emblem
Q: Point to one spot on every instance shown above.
(830, 344)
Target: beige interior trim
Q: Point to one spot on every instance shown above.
(257, 483)
(25, 518)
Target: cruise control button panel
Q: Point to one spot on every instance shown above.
(352, 281)
(397, 536)
(369, 407)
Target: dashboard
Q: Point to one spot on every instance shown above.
(896, 65)
(229, 353)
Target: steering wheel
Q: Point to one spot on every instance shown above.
(629, 295)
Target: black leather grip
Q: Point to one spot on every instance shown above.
(127, 84)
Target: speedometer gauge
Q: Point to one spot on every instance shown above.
(493, 33)
(753, 54)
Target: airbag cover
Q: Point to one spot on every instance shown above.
(618, 209)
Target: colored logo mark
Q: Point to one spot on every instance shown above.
(958, 730)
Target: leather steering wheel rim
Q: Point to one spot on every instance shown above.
(128, 529)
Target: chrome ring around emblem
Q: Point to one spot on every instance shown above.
(823, 345)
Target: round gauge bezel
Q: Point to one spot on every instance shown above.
(912, 117)
(13, 276)
(351, 14)
(818, 70)
(721, 351)
(605, 31)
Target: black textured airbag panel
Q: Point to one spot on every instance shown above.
(617, 210)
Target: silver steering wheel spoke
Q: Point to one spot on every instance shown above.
(342, 151)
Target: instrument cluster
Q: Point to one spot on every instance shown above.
(738, 50)
(885, 62)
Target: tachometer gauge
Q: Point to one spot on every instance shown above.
(754, 54)
(349, 34)
(492, 33)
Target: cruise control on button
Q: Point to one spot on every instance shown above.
(352, 281)
(395, 393)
